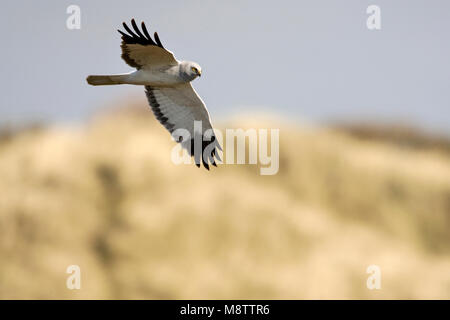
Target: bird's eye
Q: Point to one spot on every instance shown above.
(194, 69)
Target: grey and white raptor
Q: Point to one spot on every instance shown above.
(168, 87)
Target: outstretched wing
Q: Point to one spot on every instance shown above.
(179, 107)
(140, 51)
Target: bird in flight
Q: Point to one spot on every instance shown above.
(170, 94)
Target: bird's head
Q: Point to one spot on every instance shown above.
(191, 70)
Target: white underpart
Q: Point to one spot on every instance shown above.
(159, 77)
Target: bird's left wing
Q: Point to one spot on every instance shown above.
(140, 51)
(180, 107)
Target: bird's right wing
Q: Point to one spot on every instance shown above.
(180, 107)
(140, 51)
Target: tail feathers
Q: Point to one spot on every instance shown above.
(105, 80)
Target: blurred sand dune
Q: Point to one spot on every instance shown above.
(107, 197)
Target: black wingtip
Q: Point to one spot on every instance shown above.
(144, 29)
(136, 36)
(136, 29)
(158, 41)
(122, 33)
(205, 164)
(128, 29)
(207, 160)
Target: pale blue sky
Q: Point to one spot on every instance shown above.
(311, 59)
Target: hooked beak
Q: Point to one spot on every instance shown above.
(199, 73)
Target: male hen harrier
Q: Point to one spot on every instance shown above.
(170, 94)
